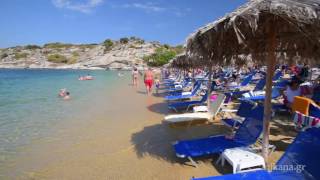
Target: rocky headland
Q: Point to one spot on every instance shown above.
(122, 54)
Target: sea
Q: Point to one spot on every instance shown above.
(30, 108)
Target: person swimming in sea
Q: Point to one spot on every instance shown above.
(62, 92)
(89, 77)
(67, 96)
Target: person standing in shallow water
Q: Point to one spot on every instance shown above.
(148, 80)
(135, 74)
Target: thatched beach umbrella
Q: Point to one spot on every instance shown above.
(271, 31)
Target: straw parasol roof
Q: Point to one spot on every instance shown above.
(271, 31)
(244, 31)
(183, 61)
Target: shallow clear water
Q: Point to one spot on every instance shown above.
(30, 107)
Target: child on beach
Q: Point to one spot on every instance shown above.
(157, 82)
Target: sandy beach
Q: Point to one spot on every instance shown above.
(125, 139)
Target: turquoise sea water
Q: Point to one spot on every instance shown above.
(30, 107)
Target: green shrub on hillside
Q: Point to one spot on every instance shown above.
(167, 46)
(178, 49)
(108, 44)
(57, 45)
(137, 40)
(76, 54)
(4, 55)
(141, 41)
(89, 46)
(74, 58)
(132, 46)
(32, 47)
(57, 58)
(161, 57)
(20, 55)
(133, 38)
(124, 40)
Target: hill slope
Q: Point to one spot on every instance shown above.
(121, 54)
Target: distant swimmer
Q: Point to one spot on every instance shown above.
(67, 96)
(81, 78)
(62, 92)
(89, 77)
(120, 74)
(84, 78)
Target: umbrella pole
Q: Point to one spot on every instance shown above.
(210, 81)
(268, 97)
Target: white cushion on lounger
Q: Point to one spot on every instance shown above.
(200, 109)
(178, 86)
(186, 117)
(186, 93)
(253, 94)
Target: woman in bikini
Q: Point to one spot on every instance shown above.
(135, 74)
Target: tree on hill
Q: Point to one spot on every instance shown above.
(124, 40)
(108, 43)
(161, 57)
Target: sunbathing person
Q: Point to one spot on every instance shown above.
(293, 89)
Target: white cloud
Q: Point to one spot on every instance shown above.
(150, 7)
(155, 8)
(84, 7)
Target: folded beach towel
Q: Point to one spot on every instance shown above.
(301, 104)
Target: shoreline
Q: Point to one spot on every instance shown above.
(119, 136)
(50, 68)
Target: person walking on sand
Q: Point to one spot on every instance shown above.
(135, 74)
(148, 80)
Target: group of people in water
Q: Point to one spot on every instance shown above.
(63, 93)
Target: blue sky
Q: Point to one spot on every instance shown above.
(92, 21)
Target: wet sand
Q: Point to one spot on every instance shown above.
(123, 137)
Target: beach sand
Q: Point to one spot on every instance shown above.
(124, 138)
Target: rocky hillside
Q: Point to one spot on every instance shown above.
(122, 54)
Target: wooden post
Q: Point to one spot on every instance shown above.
(267, 103)
(210, 81)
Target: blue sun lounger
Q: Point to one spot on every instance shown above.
(185, 96)
(259, 87)
(175, 89)
(277, 76)
(185, 105)
(247, 134)
(243, 112)
(314, 111)
(245, 82)
(299, 162)
(275, 94)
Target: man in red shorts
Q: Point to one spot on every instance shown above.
(148, 80)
